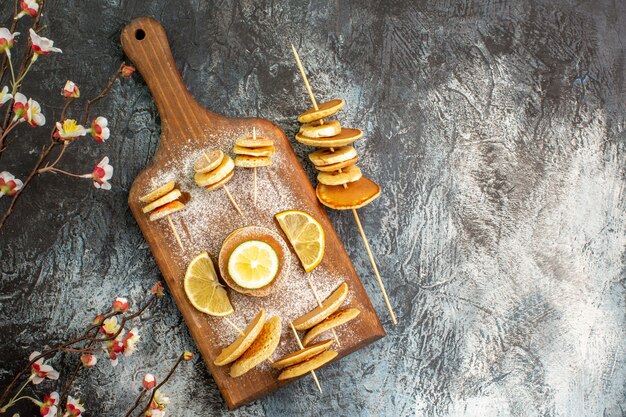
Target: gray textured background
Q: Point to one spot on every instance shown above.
(500, 231)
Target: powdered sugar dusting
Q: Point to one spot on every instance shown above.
(209, 217)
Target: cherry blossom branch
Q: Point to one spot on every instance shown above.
(87, 336)
(105, 92)
(12, 29)
(136, 404)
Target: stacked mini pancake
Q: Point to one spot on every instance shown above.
(213, 170)
(162, 201)
(253, 151)
(341, 185)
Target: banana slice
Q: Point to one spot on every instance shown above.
(347, 136)
(261, 151)
(250, 142)
(246, 161)
(261, 349)
(158, 192)
(243, 342)
(302, 354)
(307, 366)
(317, 130)
(209, 178)
(350, 174)
(167, 198)
(358, 194)
(328, 307)
(337, 166)
(325, 156)
(163, 211)
(323, 110)
(336, 319)
(220, 183)
(209, 161)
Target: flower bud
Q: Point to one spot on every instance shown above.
(98, 319)
(149, 381)
(88, 360)
(157, 290)
(188, 356)
(120, 305)
(70, 90)
(127, 71)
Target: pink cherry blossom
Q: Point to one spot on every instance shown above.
(33, 114)
(70, 90)
(102, 173)
(127, 71)
(40, 370)
(9, 185)
(5, 95)
(48, 408)
(20, 104)
(41, 45)
(29, 7)
(120, 305)
(73, 408)
(123, 344)
(69, 130)
(88, 360)
(158, 405)
(149, 381)
(99, 129)
(130, 342)
(6, 40)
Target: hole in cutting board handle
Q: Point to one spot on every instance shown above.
(140, 34)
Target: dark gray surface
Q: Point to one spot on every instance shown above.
(500, 231)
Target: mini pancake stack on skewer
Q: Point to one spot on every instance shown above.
(213, 170)
(253, 152)
(162, 202)
(341, 186)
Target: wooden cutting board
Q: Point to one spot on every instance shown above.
(187, 130)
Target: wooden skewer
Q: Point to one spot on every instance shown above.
(295, 333)
(356, 215)
(319, 303)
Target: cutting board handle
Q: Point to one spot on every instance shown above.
(145, 42)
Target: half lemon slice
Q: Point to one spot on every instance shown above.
(203, 288)
(305, 235)
(253, 264)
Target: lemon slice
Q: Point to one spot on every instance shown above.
(253, 264)
(305, 235)
(204, 290)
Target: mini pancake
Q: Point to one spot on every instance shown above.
(209, 161)
(246, 161)
(165, 210)
(326, 156)
(302, 354)
(261, 349)
(158, 192)
(336, 319)
(328, 307)
(350, 174)
(167, 198)
(262, 151)
(347, 136)
(250, 142)
(323, 110)
(337, 166)
(305, 367)
(358, 194)
(209, 178)
(221, 183)
(233, 351)
(317, 130)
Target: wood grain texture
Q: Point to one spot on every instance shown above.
(186, 125)
(499, 231)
